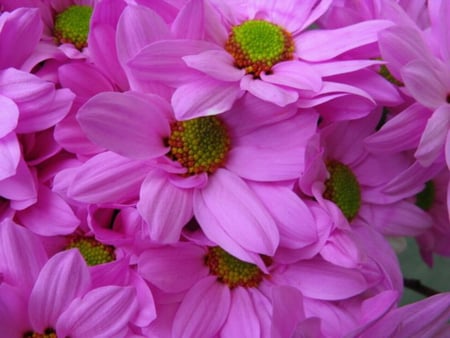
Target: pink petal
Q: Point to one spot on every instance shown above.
(204, 97)
(268, 92)
(50, 216)
(104, 311)
(432, 142)
(203, 310)
(340, 249)
(125, 124)
(173, 268)
(8, 117)
(62, 279)
(425, 84)
(287, 310)
(184, 27)
(319, 45)
(241, 307)
(229, 201)
(341, 67)
(165, 207)
(19, 266)
(295, 74)
(108, 177)
(10, 153)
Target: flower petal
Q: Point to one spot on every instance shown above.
(125, 124)
(10, 153)
(268, 92)
(9, 116)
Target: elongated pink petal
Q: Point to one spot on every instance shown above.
(10, 154)
(165, 207)
(9, 116)
(173, 268)
(184, 27)
(319, 45)
(50, 216)
(108, 177)
(241, 307)
(104, 311)
(238, 211)
(204, 97)
(19, 266)
(287, 310)
(62, 279)
(268, 92)
(125, 124)
(203, 311)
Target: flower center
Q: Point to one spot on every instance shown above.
(93, 251)
(384, 72)
(48, 333)
(425, 198)
(200, 145)
(232, 271)
(257, 45)
(343, 189)
(72, 26)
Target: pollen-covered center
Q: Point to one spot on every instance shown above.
(72, 26)
(200, 145)
(343, 188)
(257, 45)
(425, 198)
(232, 271)
(48, 333)
(93, 251)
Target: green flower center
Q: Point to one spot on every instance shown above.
(425, 198)
(343, 188)
(200, 145)
(48, 333)
(93, 252)
(257, 45)
(72, 26)
(232, 271)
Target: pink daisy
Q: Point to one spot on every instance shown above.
(196, 167)
(263, 48)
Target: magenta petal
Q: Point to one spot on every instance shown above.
(204, 97)
(50, 215)
(17, 265)
(125, 124)
(184, 27)
(203, 310)
(268, 92)
(287, 310)
(295, 74)
(108, 178)
(165, 207)
(10, 154)
(319, 45)
(228, 200)
(62, 279)
(8, 117)
(433, 138)
(173, 268)
(241, 307)
(102, 312)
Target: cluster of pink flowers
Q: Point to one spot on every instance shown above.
(211, 168)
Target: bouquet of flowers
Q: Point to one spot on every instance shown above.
(221, 168)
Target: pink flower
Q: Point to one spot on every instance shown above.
(216, 63)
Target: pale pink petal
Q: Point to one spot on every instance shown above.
(20, 187)
(230, 201)
(165, 207)
(203, 310)
(8, 117)
(125, 124)
(425, 84)
(204, 97)
(241, 307)
(287, 310)
(173, 268)
(108, 178)
(10, 153)
(222, 68)
(319, 45)
(50, 215)
(184, 27)
(102, 312)
(432, 142)
(295, 74)
(268, 92)
(62, 279)
(340, 249)
(18, 266)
